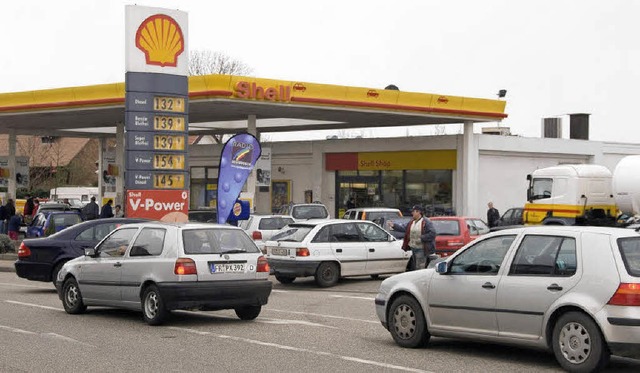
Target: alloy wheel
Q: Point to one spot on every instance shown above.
(404, 321)
(575, 342)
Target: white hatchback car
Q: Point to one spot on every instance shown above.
(158, 267)
(331, 249)
(372, 213)
(262, 227)
(573, 290)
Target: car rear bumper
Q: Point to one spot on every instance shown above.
(293, 268)
(216, 295)
(621, 328)
(33, 271)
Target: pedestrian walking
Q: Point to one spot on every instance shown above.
(107, 211)
(10, 210)
(15, 222)
(493, 215)
(419, 237)
(3, 218)
(91, 210)
(118, 213)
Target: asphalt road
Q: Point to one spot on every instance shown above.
(303, 328)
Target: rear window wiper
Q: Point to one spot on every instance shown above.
(233, 251)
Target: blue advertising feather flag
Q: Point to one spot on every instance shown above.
(238, 157)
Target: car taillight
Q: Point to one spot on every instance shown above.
(626, 295)
(302, 251)
(263, 265)
(185, 266)
(455, 243)
(24, 251)
(256, 235)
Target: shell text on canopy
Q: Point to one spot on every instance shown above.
(160, 38)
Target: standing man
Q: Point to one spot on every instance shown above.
(107, 211)
(492, 215)
(28, 209)
(419, 237)
(91, 210)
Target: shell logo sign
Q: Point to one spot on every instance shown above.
(161, 40)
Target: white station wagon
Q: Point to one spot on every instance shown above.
(158, 267)
(573, 290)
(331, 249)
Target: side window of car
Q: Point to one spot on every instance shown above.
(86, 235)
(372, 233)
(149, 242)
(483, 258)
(245, 224)
(323, 235)
(545, 256)
(344, 233)
(116, 244)
(507, 215)
(472, 227)
(483, 228)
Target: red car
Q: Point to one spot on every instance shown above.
(453, 232)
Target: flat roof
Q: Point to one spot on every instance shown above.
(218, 102)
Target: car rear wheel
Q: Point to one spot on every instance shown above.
(285, 279)
(248, 312)
(406, 322)
(71, 297)
(153, 308)
(54, 273)
(327, 274)
(578, 344)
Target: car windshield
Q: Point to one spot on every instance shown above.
(217, 241)
(309, 212)
(293, 234)
(446, 227)
(273, 223)
(630, 251)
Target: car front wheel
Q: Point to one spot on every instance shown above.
(71, 297)
(578, 344)
(406, 322)
(248, 312)
(327, 274)
(153, 308)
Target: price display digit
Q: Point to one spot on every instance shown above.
(167, 142)
(168, 181)
(172, 104)
(168, 161)
(168, 123)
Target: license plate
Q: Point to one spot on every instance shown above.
(227, 267)
(278, 251)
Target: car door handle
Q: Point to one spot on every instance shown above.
(117, 264)
(554, 287)
(338, 250)
(488, 285)
(372, 250)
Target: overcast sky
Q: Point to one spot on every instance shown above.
(553, 56)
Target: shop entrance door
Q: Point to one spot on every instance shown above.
(365, 191)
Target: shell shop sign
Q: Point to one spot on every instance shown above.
(163, 205)
(156, 40)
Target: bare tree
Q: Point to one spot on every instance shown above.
(205, 62)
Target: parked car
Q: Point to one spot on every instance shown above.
(331, 249)
(305, 211)
(40, 259)
(47, 223)
(57, 206)
(203, 216)
(453, 232)
(371, 213)
(512, 216)
(572, 290)
(157, 267)
(262, 227)
(383, 221)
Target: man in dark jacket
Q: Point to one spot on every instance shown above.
(419, 237)
(107, 211)
(91, 210)
(492, 215)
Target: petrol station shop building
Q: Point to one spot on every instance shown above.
(446, 173)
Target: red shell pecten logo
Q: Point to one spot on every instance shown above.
(161, 40)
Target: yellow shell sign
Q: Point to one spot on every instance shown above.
(161, 40)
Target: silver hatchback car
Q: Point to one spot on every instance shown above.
(158, 267)
(573, 290)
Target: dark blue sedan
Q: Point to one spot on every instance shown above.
(40, 259)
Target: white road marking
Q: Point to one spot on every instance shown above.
(298, 349)
(352, 297)
(25, 286)
(291, 322)
(34, 305)
(280, 291)
(321, 315)
(46, 335)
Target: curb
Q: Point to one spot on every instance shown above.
(6, 262)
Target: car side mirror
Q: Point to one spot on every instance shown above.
(90, 252)
(442, 267)
(391, 238)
